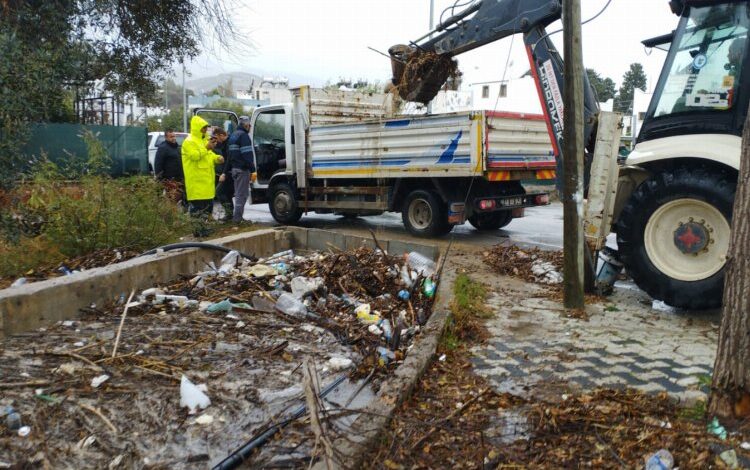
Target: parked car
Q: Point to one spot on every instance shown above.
(154, 140)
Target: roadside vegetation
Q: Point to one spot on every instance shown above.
(66, 212)
(468, 309)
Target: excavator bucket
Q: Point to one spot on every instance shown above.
(418, 75)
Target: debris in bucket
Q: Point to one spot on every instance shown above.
(243, 332)
(423, 74)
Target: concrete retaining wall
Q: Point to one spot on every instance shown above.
(38, 304)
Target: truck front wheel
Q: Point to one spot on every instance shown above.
(283, 204)
(673, 236)
(491, 220)
(425, 215)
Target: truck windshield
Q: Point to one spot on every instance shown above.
(705, 61)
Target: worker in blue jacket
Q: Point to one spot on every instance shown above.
(242, 164)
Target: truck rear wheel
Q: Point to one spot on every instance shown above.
(283, 204)
(673, 236)
(424, 214)
(491, 220)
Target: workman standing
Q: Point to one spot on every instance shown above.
(224, 181)
(243, 165)
(198, 162)
(168, 167)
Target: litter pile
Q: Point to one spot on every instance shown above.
(185, 373)
(532, 265)
(96, 259)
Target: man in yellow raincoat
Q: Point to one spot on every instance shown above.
(198, 162)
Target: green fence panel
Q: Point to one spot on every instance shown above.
(127, 146)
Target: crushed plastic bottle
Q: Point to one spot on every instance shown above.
(290, 305)
(228, 262)
(421, 264)
(386, 355)
(385, 325)
(661, 460)
(715, 428)
(223, 306)
(428, 287)
(281, 268)
(12, 419)
(304, 286)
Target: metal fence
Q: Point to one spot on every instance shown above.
(63, 145)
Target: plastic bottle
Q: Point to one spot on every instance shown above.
(428, 287)
(662, 460)
(421, 264)
(228, 262)
(385, 325)
(12, 419)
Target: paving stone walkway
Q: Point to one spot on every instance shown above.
(625, 342)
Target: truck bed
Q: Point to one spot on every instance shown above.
(475, 143)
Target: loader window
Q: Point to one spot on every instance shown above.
(705, 61)
(269, 143)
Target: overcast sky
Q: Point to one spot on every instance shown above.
(328, 39)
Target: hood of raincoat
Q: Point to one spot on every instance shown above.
(196, 124)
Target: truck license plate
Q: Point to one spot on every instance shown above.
(512, 201)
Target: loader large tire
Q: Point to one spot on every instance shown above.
(673, 236)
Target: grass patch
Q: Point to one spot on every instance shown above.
(611, 308)
(468, 308)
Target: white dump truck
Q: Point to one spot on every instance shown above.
(349, 153)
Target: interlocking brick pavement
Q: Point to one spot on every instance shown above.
(625, 342)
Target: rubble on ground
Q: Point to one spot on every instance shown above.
(455, 419)
(180, 375)
(529, 264)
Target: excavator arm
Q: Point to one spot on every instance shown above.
(421, 69)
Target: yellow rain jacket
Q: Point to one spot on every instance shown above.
(198, 163)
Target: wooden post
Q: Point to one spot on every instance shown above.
(573, 149)
(730, 385)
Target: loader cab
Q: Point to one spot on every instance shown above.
(704, 85)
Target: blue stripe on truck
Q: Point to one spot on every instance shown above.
(449, 154)
(401, 123)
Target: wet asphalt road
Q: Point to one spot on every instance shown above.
(542, 227)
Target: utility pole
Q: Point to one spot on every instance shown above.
(432, 26)
(573, 149)
(184, 100)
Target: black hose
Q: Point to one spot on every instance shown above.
(239, 456)
(209, 246)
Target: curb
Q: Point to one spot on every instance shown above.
(367, 428)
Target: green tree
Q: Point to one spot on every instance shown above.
(52, 50)
(634, 78)
(605, 87)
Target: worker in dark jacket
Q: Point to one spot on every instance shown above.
(224, 181)
(168, 166)
(243, 165)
